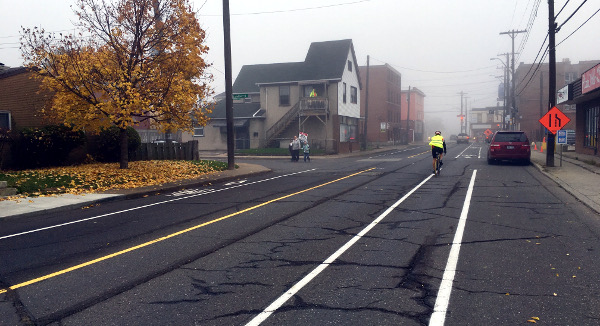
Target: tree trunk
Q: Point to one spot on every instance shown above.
(123, 140)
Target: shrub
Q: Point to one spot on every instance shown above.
(43, 147)
(106, 147)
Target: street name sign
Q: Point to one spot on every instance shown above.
(240, 96)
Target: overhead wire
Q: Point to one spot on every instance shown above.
(561, 9)
(546, 52)
(594, 14)
(288, 10)
(576, 10)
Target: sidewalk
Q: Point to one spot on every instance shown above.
(31, 206)
(577, 175)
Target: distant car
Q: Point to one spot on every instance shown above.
(453, 137)
(462, 138)
(509, 145)
(163, 141)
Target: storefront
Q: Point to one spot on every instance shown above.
(586, 97)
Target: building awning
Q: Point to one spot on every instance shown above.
(223, 123)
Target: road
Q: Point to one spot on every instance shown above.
(369, 240)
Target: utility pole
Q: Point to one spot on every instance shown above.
(228, 88)
(408, 116)
(514, 109)
(551, 79)
(541, 102)
(462, 117)
(467, 117)
(364, 145)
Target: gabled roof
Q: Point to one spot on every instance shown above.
(8, 72)
(324, 61)
(240, 110)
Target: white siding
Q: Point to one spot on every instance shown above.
(349, 109)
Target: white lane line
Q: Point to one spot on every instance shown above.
(294, 289)
(457, 156)
(443, 298)
(479, 155)
(148, 205)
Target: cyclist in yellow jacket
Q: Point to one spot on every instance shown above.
(438, 145)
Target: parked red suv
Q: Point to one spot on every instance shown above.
(509, 145)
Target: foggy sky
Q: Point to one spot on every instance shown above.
(441, 47)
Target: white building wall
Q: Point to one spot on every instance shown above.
(349, 109)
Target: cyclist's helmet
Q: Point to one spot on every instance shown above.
(437, 132)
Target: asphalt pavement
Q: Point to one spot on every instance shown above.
(577, 173)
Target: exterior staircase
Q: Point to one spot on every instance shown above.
(285, 121)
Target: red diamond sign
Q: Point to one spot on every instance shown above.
(554, 120)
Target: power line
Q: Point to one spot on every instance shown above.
(594, 14)
(291, 10)
(561, 9)
(576, 10)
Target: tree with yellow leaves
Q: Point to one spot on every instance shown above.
(134, 60)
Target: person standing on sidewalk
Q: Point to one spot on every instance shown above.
(306, 150)
(296, 149)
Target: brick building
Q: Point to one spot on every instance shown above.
(388, 107)
(532, 94)
(20, 99)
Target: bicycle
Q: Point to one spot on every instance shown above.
(437, 168)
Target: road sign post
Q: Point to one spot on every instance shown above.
(561, 139)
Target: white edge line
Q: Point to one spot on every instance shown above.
(438, 317)
(146, 206)
(304, 281)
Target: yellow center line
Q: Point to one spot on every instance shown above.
(145, 244)
(419, 154)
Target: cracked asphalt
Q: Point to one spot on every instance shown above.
(220, 258)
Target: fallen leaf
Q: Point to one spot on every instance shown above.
(531, 321)
(536, 318)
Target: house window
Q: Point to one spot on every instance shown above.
(198, 131)
(348, 129)
(349, 65)
(570, 77)
(344, 92)
(5, 120)
(284, 95)
(590, 134)
(353, 95)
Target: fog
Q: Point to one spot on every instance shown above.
(441, 47)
